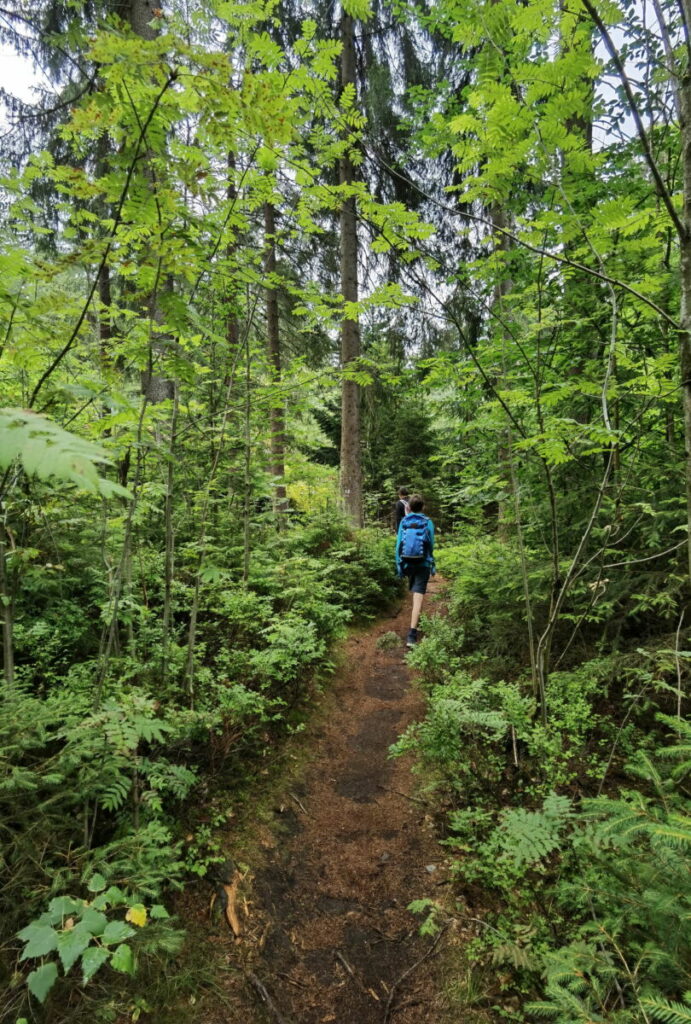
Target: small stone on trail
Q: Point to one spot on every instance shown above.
(431, 868)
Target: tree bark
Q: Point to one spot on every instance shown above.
(6, 611)
(273, 335)
(351, 463)
(502, 286)
(156, 388)
(169, 541)
(141, 14)
(247, 466)
(685, 253)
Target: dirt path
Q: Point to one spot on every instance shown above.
(328, 933)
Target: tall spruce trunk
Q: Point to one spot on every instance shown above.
(273, 337)
(684, 97)
(502, 286)
(351, 462)
(6, 610)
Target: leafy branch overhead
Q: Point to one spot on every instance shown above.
(47, 451)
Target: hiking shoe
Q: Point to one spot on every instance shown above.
(412, 638)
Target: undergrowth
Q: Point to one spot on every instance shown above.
(107, 803)
(572, 835)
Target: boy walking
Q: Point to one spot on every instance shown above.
(402, 507)
(415, 557)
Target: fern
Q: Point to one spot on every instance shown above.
(526, 837)
(669, 1012)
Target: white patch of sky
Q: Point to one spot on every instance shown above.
(18, 74)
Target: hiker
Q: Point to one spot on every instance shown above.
(415, 557)
(402, 507)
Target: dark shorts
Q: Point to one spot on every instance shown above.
(418, 578)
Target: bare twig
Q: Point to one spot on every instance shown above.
(300, 804)
(109, 244)
(263, 994)
(344, 963)
(615, 744)
(291, 981)
(413, 799)
(678, 661)
(406, 974)
(635, 113)
(342, 960)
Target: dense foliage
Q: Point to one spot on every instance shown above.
(485, 201)
(578, 828)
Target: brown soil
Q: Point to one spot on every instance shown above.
(327, 932)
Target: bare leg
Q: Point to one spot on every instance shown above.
(417, 608)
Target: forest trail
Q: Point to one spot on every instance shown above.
(328, 934)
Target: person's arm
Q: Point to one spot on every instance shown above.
(399, 567)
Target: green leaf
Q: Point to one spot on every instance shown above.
(41, 980)
(116, 931)
(71, 945)
(97, 883)
(123, 960)
(112, 897)
(158, 912)
(94, 920)
(46, 450)
(61, 907)
(40, 939)
(357, 9)
(92, 959)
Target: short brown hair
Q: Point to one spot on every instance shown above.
(403, 491)
(416, 503)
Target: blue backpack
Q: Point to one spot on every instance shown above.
(415, 543)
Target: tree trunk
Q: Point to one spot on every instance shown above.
(502, 286)
(6, 611)
(685, 253)
(351, 466)
(141, 14)
(169, 541)
(276, 414)
(156, 388)
(247, 467)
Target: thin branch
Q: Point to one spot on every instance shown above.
(263, 994)
(669, 53)
(540, 250)
(111, 237)
(649, 558)
(678, 661)
(399, 981)
(640, 128)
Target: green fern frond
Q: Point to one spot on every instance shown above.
(526, 837)
(669, 1012)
